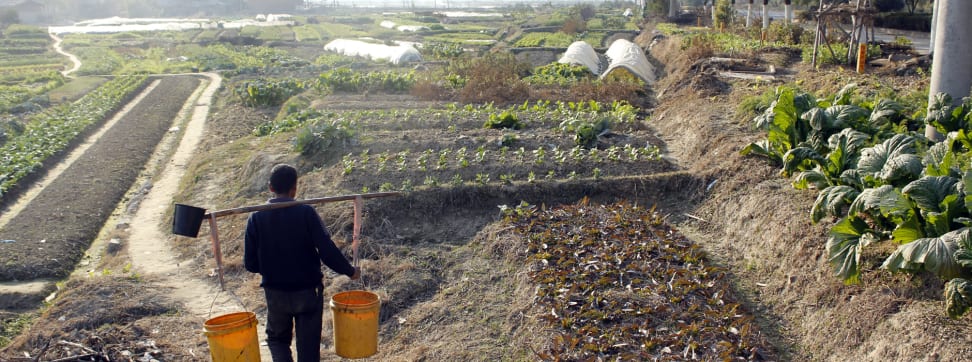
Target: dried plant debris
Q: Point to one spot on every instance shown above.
(618, 283)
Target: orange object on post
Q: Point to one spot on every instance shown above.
(861, 57)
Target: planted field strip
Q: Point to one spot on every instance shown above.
(619, 281)
(542, 115)
(307, 33)
(475, 206)
(491, 164)
(52, 132)
(416, 149)
(23, 71)
(7, 60)
(51, 234)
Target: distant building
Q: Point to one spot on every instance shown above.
(28, 11)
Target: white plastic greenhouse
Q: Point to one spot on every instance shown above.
(622, 54)
(402, 28)
(403, 53)
(582, 54)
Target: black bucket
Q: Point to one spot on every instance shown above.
(187, 220)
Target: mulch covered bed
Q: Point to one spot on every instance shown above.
(618, 282)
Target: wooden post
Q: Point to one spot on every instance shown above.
(861, 57)
(816, 39)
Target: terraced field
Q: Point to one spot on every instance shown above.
(49, 234)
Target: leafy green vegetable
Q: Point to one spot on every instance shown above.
(829, 170)
(894, 160)
(945, 116)
(831, 201)
(931, 254)
(847, 238)
(507, 119)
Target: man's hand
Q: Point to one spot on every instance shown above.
(357, 274)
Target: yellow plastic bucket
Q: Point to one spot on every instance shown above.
(233, 337)
(355, 323)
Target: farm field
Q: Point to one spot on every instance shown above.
(544, 215)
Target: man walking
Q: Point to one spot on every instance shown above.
(286, 246)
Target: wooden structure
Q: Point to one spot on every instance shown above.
(861, 14)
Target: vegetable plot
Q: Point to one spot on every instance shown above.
(881, 180)
(50, 133)
(620, 284)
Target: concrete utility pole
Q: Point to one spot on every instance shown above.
(765, 14)
(674, 9)
(934, 24)
(788, 11)
(951, 65)
(749, 14)
(713, 13)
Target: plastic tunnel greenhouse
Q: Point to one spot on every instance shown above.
(622, 55)
(403, 53)
(626, 55)
(582, 54)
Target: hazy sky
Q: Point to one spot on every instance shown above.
(446, 3)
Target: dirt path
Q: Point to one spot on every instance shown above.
(149, 246)
(150, 256)
(74, 59)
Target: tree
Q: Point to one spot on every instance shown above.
(658, 8)
(586, 11)
(912, 5)
(724, 13)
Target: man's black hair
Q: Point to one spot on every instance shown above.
(283, 178)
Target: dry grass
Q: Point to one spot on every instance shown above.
(112, 316)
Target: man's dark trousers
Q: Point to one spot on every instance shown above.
(299, 311)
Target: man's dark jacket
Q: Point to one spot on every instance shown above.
(287, 245)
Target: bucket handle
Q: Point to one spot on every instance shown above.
(232, 295)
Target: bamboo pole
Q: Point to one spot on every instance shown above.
(277, 205)
(214, 231)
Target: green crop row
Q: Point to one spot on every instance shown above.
(347, 80)
(307, 33)
(28, 60)
(483, 179)
(13, 97)
(268, 92)
(50, 133)
(446, 159)
(881, 180)
(20, 70)
(554, 40)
